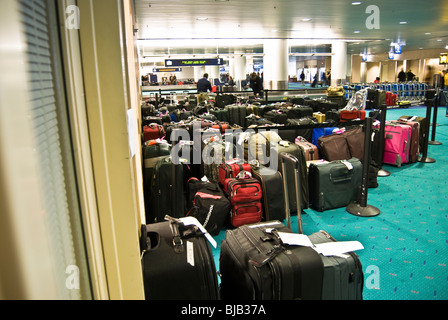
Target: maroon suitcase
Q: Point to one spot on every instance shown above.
(153, 132)
(414, 147)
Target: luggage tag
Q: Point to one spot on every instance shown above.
(347, 164)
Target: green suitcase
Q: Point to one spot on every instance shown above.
(334, 184)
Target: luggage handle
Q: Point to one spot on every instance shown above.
(346, 176)
(286, 157)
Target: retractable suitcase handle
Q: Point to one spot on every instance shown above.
(286, 157)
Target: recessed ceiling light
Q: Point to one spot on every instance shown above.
(306, 19)
(201, 18)
(428, 33)
(356, 3)
(403, 22)
(440, 40)
(356, 31)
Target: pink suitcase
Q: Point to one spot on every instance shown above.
(397, 144)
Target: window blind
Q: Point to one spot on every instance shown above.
(57, 181)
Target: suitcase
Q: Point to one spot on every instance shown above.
(319, 132)
(208, 204)
(153, 151)
(292, 134)
(423, 125)
(166, 187)
(256, 265)
(355, 142)
(320, 117)
(231, 170)
(343, 277)
(237, 115)
(245, 194)
(262, 142)
(215, 153)
(396, 144)
(311, 151)
(177, 263)
(221, 114)
(276, 116)
(272, 186)
(334, 147)
(335, 184)
(153, 132)
(347, 115)
(298, 112)
(414, 148)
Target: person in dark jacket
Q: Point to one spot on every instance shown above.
(204, 85)
(402, 76)
(256, 84)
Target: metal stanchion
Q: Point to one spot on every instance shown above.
(362, 209)
(381, 171)
(424, 158)
(433, 141)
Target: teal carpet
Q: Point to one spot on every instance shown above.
(405, 254)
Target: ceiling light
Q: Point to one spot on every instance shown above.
(403, 22)
(201, 18)
(306, 19)
(440, 40)
(356, 3)
(356, 31)
(446, 47)
(428, 33)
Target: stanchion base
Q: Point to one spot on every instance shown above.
(367, 211)
(383, 173)
(426, 160)
(434, 143)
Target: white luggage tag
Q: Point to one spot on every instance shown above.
(348, 165)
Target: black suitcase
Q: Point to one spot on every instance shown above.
(167, 191)
(237, 115)
(177, 263)
(152, 152)
(298, 112)
(272, 185)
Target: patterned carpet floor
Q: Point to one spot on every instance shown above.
(405, 255)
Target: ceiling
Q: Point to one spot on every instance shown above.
(310, 25)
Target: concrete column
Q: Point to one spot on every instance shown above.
(275, 64)
(239, 68)
(198, 72)
(338, 62)
(213, 72)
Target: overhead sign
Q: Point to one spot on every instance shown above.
(193, 62)
(443, 58)
(167, 70)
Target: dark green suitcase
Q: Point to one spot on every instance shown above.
(334, 184)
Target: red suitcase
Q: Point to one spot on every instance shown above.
(347, 115)
(231, 170)
(245, 196)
